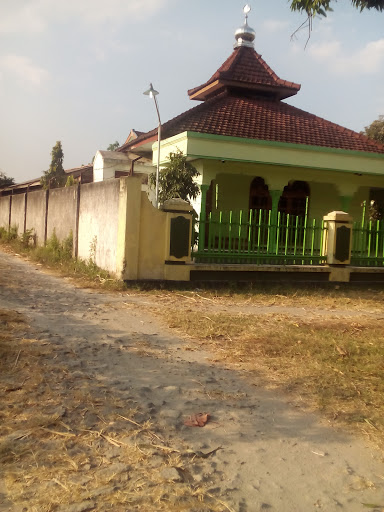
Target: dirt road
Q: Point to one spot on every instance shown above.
(272, 456)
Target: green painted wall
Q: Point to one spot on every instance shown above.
(292, 155)
(233, 182)
(335, 177)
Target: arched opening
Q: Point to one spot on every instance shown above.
(294, 198)
(259, 197)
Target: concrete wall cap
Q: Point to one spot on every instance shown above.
(176, 204)
(113, 155)
(338, 216)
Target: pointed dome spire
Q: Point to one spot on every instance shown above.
(245, 35)
(245, 73)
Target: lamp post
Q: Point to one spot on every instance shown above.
(152, 94)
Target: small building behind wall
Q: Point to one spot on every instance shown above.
(116, 164)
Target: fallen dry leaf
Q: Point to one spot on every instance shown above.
(197, 420)
(342, 351)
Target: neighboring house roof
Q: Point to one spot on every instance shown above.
(245, 69)
(25, 184)
(77, 171)
(113, 155)
(85, 171)
(133, 134)
(120, 156)
(263, 119)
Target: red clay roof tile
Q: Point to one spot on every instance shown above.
(243, 99)
(263, 119)
(249, 70)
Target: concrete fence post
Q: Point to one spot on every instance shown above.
(128, 234)
(25, 210)
(46, 216)
(77, 220)
(338, 242)
(178, 239)
(178, 231)
(10, 213)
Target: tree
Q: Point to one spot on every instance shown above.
(177, 179)
(5, 181)
(55, 176)
(113, 147)
(321, 7)
(375, 130)
(70, 181)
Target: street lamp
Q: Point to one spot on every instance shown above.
(152, 94)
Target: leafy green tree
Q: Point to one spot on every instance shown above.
(177, 179)
(321, 7)
(55, 176)
(113, 147)
(70, 181)
(5, 181)
(375, 130)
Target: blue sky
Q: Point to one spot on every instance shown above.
(75, 71)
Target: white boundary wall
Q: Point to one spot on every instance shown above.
(113, 224)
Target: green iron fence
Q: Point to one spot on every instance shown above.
(259, 237)
(368, 240)
(368, 243)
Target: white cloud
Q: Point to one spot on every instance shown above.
(366, 60)
(23, 70)
(325, 51)
(35, 15)
(99, 11)
(21, 18)
(274, 25)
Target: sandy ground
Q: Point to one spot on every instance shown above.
(273, 456)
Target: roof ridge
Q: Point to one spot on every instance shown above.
(164, 126)
(266, 66)
(246, 69)
(267, 119)
(341, 128)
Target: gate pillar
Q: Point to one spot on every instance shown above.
(338, 241)
(178, 231)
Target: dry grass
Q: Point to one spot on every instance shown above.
(84, 274)
(333, 364)
(66, 439)
(239, 298)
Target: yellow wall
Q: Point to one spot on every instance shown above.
(152, 241)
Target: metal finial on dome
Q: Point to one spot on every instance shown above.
(245, 35)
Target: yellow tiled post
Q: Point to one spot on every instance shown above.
(178, 239)
(337, 243)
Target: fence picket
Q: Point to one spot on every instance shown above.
(368, 243)
(256, 237)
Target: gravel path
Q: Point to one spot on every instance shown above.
(273, 457)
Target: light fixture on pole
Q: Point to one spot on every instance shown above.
(152, 94)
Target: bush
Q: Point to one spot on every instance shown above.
(28, 237)
(8, 235)
(58, 255)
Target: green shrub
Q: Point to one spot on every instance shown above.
(68, 245)
(28, 237)
(7, 235)
(58, 255)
